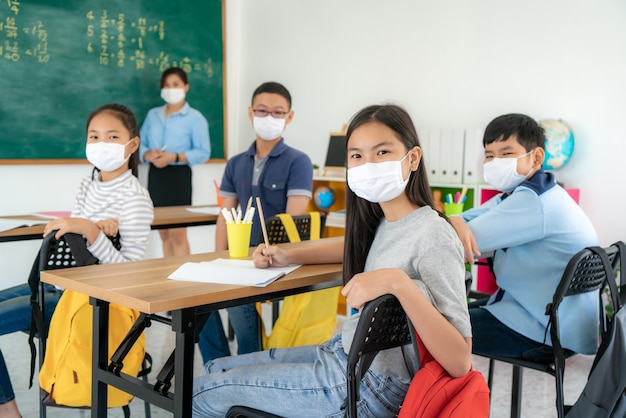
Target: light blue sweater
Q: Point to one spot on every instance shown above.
(536, 230)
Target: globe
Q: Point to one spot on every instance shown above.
(324, 197)
(559, 144)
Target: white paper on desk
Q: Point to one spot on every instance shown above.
(209, 210)
(226, 271)
(7, 224)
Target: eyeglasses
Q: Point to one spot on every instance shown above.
(278, 114)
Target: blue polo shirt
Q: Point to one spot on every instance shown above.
(534, 232)
(185, 131)
(285, 172)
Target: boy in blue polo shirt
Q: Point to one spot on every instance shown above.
(283, 178)
(534, 227)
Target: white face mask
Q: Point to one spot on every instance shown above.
(173, 96)
(269, 128)
(502, 174)
(106, 156)
(378, 182)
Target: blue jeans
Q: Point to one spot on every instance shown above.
(6, 389)
(14, 317)
(15, 307)
(491, 337)
(307, 381)
(212, 340)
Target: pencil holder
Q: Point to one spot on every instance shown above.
(238, 239)
(453, 208)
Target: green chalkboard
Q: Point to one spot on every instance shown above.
(60, 59)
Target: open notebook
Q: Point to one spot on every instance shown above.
(227, 271)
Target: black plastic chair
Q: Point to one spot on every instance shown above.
(57, 254)
(382, 325)
(584, 273)
(276, 234)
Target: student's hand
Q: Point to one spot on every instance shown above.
(80, 226)
(262, 254)
(467, 238)
(367, 286)
(110, 227)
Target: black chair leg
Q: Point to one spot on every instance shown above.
(492, 366)
(516, 392)
(231, 331)
(275, 311)
(146, 404)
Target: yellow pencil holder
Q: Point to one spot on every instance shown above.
(238, 239)
(453, 208)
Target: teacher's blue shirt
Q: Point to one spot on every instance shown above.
(185, 131)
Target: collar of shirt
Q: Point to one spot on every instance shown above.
(539, 183)
(278, 149)
(183, 110)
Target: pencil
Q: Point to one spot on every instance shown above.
(262, 218)
(463, 193)
(248, 206)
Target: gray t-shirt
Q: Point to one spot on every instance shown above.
(427, 248)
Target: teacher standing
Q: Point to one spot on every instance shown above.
(174, 137)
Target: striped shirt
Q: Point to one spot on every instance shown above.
(124, 199)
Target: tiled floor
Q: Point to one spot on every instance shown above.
(538, 389)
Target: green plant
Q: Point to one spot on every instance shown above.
(609, 308)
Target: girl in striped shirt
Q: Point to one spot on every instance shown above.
(109, 202)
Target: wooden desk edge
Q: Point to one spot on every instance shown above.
(323, 276)
(164, 218)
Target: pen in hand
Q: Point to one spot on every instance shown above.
(262, 218)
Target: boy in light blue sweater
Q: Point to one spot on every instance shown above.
(534, 227)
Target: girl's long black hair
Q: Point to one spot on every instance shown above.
(363, 217)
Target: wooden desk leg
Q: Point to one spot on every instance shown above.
(183, 324)
(99, 360)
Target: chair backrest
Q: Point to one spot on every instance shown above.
(277, 233)
(382, 324)
(604, 394)
(585, 272)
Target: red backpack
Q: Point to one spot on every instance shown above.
(433, 393)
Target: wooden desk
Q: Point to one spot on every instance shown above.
(143, 285)
(164, 218)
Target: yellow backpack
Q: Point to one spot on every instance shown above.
(306, 318)
(66, 370)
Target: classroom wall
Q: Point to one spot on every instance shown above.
(454, 63)
(451, 63)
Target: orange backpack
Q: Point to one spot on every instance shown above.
(433, 393)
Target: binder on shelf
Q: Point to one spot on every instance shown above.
(474, 156)
(451, 155)
(431, 149)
